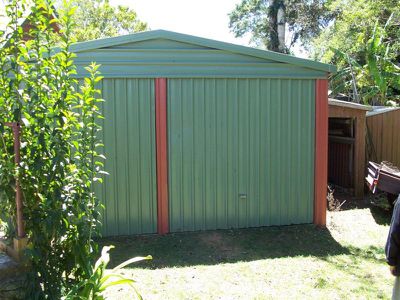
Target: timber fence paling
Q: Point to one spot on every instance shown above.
(384, 131)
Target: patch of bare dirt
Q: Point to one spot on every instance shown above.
(221, 242)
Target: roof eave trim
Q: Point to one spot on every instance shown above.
(347, 104)
(379, 112)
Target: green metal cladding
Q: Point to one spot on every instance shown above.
(241, 126)
(167, 54)
(129, 191)
(241, 152)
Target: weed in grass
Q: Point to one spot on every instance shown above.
(321, 283)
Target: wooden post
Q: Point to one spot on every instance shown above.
(359, 156)
(321, 151)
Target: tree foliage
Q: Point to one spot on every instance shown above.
(377, 81)
(96, 19)
(303, 18)
(59, 159)
(353, 27)
(364, 42)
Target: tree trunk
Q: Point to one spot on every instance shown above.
(281, 22)
(273, 41)
(276, 26)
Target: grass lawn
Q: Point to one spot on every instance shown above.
(344, 261)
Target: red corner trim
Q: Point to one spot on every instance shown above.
(162, 155)
(321, 151)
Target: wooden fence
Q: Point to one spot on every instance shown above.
(383, 136)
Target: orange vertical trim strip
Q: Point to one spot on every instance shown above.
(321, 151)
(162, 155)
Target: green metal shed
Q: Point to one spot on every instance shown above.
(201, 134)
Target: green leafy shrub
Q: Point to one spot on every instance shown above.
(93, 287)
(59, 158)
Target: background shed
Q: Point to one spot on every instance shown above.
(201, 134)
(384, 135)
(346, 152)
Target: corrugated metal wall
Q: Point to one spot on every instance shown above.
(129, 192)
(340, 164)
(385, 137)
(241, 152)
(172, 59)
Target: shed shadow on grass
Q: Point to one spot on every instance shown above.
(224, 246)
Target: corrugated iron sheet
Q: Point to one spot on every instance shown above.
(340, 164)
(129, 192)
(173, 59)
(241, 152)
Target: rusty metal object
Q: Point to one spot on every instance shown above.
(16, 128)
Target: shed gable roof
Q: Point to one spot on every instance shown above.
(176, 41)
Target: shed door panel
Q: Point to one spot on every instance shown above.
(241, 152)
(129, 191)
